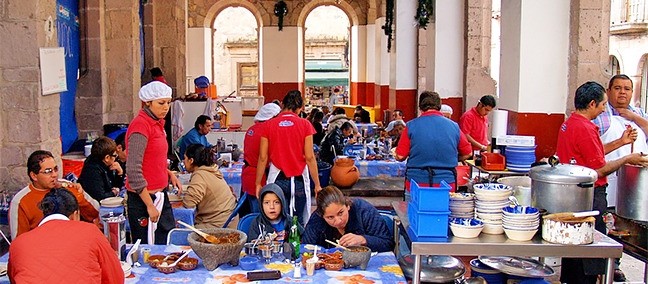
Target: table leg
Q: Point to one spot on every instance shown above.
(416, 278)
(646, 272)
(609, 271)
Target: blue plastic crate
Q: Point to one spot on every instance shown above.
(428, 224)
(414, 238)
(431, 199)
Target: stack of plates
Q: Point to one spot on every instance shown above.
(520, 223)
(462, 205)
(491, 198)
(519, 158)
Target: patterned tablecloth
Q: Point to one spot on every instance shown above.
(382, 168)
(382, 268)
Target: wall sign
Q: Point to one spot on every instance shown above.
(52, 69)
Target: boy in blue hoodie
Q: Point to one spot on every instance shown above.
(274, 217)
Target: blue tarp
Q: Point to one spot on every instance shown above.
(67, 26)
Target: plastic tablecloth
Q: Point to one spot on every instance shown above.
(381, 168)
(382, 268)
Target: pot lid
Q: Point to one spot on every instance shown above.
(563, 173)
(518, 266)
(434, 268)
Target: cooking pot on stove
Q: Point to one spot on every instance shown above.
(562, 187)
(632, 192)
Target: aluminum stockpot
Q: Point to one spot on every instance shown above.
(562, 188)
(632, 192)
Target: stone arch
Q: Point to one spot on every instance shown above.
(641, 85)
(351, 10)
(613, 59)
(209, 18)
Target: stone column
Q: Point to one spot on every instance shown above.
(588, 44)
(29, 121)
(381, 91)
(477, 33)
(371, 61)
(533, 74)
(403, 82)
(199, 54)
(281, 61)
(441, 55)
(358, 66)
(169, 21)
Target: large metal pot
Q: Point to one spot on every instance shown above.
(434, 268)
(632, 192)
(562, 187)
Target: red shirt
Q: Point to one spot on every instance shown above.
(286, 136)
(251, 144)
(154, 162)
(475, 125)
(579, 138)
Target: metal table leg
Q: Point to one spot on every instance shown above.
(416, 278)
(609, 271)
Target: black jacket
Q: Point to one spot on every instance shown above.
(332, 145)
(98, 180)
(261, 222)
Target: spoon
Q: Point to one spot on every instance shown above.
(208, 237)
(586, 213)
(181, 257)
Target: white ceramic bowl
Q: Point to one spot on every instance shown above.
(492, 229)
(520, 235)
(466, 232)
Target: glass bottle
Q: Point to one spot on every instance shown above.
(295, 238)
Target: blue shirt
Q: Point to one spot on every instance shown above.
(192, 137)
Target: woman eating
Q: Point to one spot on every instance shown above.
(348, 222)
(207, 191)
(149, 211)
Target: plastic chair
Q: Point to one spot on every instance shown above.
(178, 236)
(239, 204)
(245, 222)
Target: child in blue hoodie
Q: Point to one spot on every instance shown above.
(274, 217)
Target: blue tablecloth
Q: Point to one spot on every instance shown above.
(382, 168)
(382, 268)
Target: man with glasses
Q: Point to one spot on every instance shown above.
(102, 176)
(24, 214)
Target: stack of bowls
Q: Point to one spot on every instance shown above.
(462, 205)
(491, 198)
(519, 158)
(520, 223)
(466, 228)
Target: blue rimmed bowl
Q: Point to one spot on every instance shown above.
(520, 210)
(466, 228)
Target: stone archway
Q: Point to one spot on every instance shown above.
(259, 12)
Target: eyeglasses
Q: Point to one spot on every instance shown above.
(49, 171)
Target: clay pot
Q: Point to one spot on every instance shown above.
(344, 173)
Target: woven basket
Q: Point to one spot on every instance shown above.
(213, 255)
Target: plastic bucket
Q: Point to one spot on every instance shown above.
(324, 174)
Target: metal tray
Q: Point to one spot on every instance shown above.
(518, 266)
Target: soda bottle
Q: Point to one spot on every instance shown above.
(295, 238)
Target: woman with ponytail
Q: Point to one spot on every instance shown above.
(207, 191)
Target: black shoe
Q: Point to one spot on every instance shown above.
(619, 276)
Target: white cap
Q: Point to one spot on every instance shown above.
(446, 109)
(393, 124)
(154, 91)
(267, 111)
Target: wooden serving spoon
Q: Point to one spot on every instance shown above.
(208, 237)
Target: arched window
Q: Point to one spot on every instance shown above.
(614, 67)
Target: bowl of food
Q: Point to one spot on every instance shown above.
(227, 247)
(356, 256)
(167, 267)
(334, 264)
(188, 263)
(248, 262)
(155, 259)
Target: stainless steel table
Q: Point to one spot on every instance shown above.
(495, 245)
